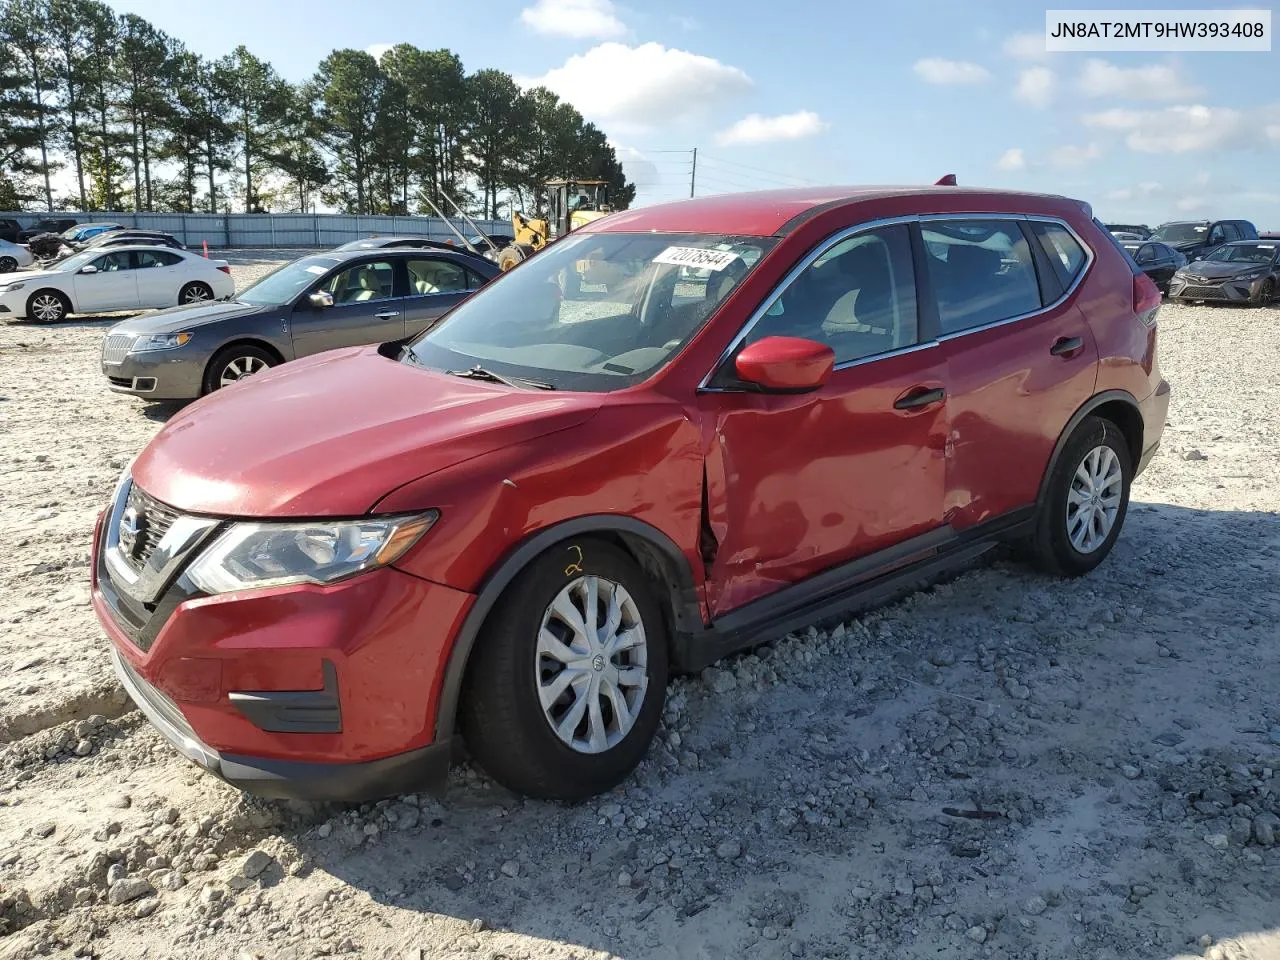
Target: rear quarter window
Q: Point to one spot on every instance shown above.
(1064, 252)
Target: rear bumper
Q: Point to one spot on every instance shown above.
(1155, 411)
(287, 779)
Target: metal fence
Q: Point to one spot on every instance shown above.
(274, 229)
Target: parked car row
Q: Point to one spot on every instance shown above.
(1206, 260)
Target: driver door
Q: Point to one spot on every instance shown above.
(800, 483)
(367, 308)
(113, 285)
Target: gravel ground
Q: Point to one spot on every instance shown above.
(1004, 765)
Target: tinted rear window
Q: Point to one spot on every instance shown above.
(1063, 250)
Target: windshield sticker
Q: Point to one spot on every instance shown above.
(1266, 246)
(316, 269)
(697, 257)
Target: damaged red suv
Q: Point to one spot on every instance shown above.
(676, 433)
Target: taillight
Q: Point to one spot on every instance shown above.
(225, 269)
(1146, 299)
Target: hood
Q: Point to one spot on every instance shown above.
(175, 319)
(1184, 245)
(24, 276)
(333, 434)
(1215, 270)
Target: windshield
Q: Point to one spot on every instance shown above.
(1180, 232)
(596, 311)
(284, 284)
(1244, 253)
(72, 264)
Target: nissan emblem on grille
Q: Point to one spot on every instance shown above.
(132, 525)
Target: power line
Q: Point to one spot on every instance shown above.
(772, 173)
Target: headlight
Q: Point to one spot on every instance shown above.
(8, 287)
(1252, 275)
(255, 555)
(162, 341)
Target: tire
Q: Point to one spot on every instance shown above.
(8, 264)
(503, 720)
(235, 363)
(510, 257)
(1062, 543)
(1266, 293)
(196, 292)
(48, 306)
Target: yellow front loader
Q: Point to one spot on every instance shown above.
(570, 205)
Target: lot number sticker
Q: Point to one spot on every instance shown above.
(696, 257)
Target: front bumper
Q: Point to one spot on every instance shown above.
(1226, 291)
(307, 692)
(158, 374)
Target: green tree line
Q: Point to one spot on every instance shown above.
(136, 121)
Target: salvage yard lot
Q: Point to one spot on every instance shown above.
(1004, 765)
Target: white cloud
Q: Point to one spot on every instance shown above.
(1074, 156)
(1182, 129)
(642, 87)
(1153, 82)
(578, 19)
(757, 129)
(1026, 46)
(376, 50)
(1012, 160)
(938, 70)
(1036, 87)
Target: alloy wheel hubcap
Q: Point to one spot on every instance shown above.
(239, 368)
(47, 308)
(7, 264)
(196, 295)
(1093, 499)
(591, 664)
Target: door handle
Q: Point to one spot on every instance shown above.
(918, 397)
(387, 314)
(1066, 346)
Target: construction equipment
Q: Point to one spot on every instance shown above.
(570, 205)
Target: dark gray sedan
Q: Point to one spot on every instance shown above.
(1247, 271)
(317, 303)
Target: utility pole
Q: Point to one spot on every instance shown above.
(693, 172)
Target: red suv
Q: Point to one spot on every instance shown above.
(676, 433)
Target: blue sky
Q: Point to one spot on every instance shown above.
(833, 92)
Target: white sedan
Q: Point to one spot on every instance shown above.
(14, 256)
(125, 278)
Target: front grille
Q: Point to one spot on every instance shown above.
(153, 520)
(116, 347)
(1203, 293)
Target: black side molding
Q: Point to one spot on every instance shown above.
(294, 711)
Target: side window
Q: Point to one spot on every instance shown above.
(1063, 250)
(112, 262)
(474, 280)
(1147, 253)
(428, 275)
(362, 283)
(1217, 234)
(982, 272)
(156, 258)
(859, 298)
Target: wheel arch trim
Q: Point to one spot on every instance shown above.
(684, 606)
(1085, 409)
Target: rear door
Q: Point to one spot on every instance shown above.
(435, 286)
(113, 285)
(158, 278)
(1020, 357)
(368, 307)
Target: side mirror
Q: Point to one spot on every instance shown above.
(786, 364)
(89, 269)
(321, 299)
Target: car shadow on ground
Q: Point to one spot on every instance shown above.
(755, 843)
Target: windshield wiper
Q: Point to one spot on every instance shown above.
(480, 373)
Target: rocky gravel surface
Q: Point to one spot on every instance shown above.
(999, 765)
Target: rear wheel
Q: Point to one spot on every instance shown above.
(566, 684)
(195, 293)
(234, 364)
(48, 306)
(8, 264)
(1086, 500)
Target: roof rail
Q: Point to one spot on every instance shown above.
(947, 181)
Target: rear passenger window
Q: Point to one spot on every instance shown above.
(858, 298)
(982, 272)
(1063, 250)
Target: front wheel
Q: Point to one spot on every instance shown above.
(234, 364)
(1266, 293)
(565, 688)
(1086, 500)
(48, 306)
